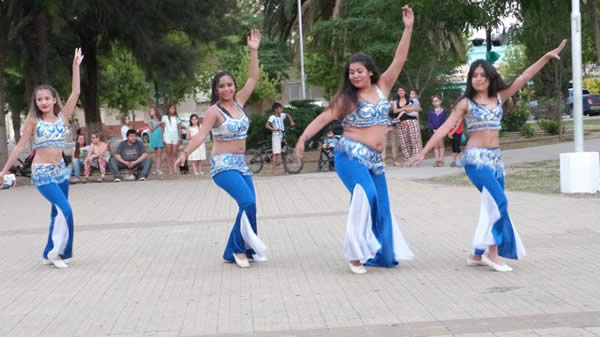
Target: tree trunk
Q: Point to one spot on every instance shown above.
(337, 9)
(36, 62)
(591, 9)
(3, 43)
(89, 85)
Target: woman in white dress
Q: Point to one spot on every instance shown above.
(195, 158)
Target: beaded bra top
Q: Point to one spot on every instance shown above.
(368, 114)
(48, 134)
(232, 128)
(479, 117)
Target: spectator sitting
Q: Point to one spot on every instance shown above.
(78, 155)
(97, 157)
(131, 154)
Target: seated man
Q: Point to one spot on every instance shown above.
(131, 154)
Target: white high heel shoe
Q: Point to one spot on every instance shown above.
(497, 267)
(357, 269)
(241, 263)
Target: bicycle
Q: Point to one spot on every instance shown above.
(256, 158)
(326, 161)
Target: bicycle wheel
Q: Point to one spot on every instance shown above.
(254, 160)
(290, 164)
(322, 164)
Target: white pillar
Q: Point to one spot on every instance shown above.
(579, 171)
(577, 76)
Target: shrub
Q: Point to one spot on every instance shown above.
(518, 116)
(527, 131)
(548, 125)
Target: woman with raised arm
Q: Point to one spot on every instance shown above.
(47, 126)
(481, 108)
(229, 125)
(372, 235)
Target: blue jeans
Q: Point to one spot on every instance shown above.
(76, 166)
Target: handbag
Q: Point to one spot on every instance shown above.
(463, 139)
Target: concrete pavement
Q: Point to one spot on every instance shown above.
(148, 263)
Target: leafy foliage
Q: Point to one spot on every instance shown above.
(123, 85)
(265, 88)
(527, 131)
(515, 62)
(592, 84)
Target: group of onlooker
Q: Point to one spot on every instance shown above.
(130, 154)
(164, 132)
(405, 131)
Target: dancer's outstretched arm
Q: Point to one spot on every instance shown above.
(528, 74)
(30, 125)
(313, 128)
(209, 121)
(457, 114)
(253, 70)
(389, 77)
(69, 107)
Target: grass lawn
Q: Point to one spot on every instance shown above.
(538, 177)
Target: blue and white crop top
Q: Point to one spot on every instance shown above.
(479, 117)
(367, 114)
(232, 128)
(48, 134)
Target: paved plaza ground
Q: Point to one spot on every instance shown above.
(148, 263)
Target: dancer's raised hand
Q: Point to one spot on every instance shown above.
(254, 39)
(408, 17)
(555, 53)
(77, 58)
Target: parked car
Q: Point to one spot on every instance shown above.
(591, 103)
(144, 132)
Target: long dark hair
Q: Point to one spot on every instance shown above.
(214, 95)
(77, 147)
(347, 96)
(34, 111)
(157, 114)
(192, 117)
(169, 113)
(496, 83)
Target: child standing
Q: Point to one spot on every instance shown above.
(455, 135)
(435, 118)
(156, 137)
(195, 158)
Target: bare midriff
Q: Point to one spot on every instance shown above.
(48, 155)
(233, 146)
(373, 136)
(484, 138)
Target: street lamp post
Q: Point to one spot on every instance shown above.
(303, 86)
(579, 170)
(577, 78)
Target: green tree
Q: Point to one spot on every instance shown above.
(265, 87)
(13, 18)
(515, 62)
(123, 85)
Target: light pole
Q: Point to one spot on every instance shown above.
(579, 171)
(300, 35)
(577, 78)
